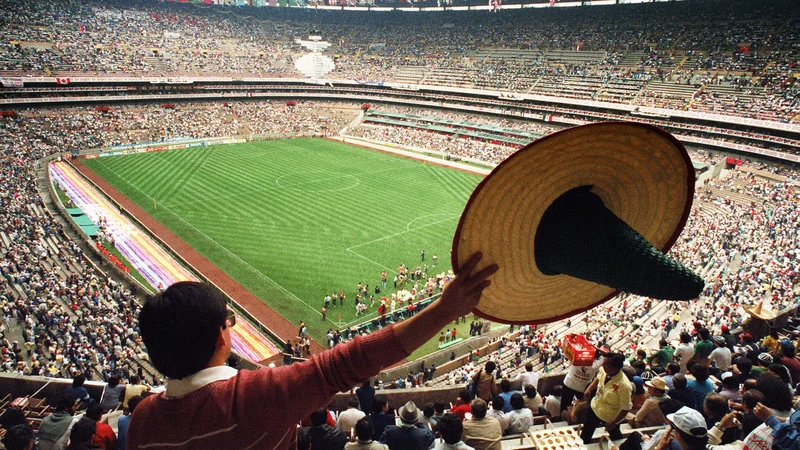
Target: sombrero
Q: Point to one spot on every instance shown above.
(760, 312)
(577, 216)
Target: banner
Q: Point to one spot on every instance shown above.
(62, 80)
(16, 82)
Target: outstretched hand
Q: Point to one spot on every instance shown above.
(462, 294)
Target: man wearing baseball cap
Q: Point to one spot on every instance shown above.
(720, 356)
(690, 430)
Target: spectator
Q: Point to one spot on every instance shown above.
(520, 419)
(662, 357)
(552, 403)
(650, 414)
(134, 388)
(750, 421)
(19, 437)
(672, 370)
(364, 433)
(484, 383)
(730, 388)
(462, 406)
(54, 431)
(612, 400)
(505, 392)
(777, 402)
(409, 435)
(684, 350)
(322, 435)
(81, 435)
(451, 429)
(577, 380)
(348, 418)
(124, 422)
(104, 437)
(112, 393)
(482, 432)
(715, 408)
(365, 393)
(496, 412)
(720, 357)
(533, 400)
(700, 386)
(199, 315)
(78, 391)
(529, 377)
(690, 425)
(381, 416)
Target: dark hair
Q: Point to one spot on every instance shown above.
(781, 371)
(134, 379)
(65, 402)
(490, 366)
(663, 342)
(505, 385)
(744, 364)
(669, 405)
(557, 389)
(673, 368)
(428, 410)
(378, 402)
(113, 381)
(530, 391)
(777, 394)
(319, 417)
(617, 360)
(498, 402)
(478, 408)
(731, 382)
(82, 431)
(18, 437)
(641, 352)
(449, 426)
(751, 397)
(440, 406)
(685, 337)
(679, 381)
(716, 405)
(465, 395)
(133, 402)
(788, 351)
(94, 411)
(180, 327)
(517, 402)
(529, 367)
(694, 442)
(353, 402)
(700, 373)
(12, 417)
(704, 333)
(78, 380)
(749, 384)
(364, 429)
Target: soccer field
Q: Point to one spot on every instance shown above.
(295, 219)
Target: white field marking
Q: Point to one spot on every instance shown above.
(408, 225)
(373, 262)
(262, 275)
(100, 160)
(269, 188)
(403, 232)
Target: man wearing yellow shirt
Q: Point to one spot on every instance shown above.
(612, 400)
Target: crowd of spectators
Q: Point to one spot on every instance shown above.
(598, 53)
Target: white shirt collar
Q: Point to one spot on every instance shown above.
(187, 385)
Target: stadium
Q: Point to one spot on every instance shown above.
(311, 161)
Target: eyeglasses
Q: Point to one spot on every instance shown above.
(230, 318)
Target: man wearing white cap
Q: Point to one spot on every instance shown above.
(409, 435)
(690, 430)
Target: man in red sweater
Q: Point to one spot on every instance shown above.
(207, 404)
(104, 437)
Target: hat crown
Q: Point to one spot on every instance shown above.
(409, 413)
(689, 421)
(579, 236)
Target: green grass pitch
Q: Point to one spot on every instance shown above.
(295, 219)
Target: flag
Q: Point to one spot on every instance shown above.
(62, 80)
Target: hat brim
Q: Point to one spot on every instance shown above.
(643, 175)
(649, 384)
(763, 314)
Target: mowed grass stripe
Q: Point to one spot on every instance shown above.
(279, 216)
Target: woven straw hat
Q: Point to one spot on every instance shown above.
(760, 311)
(641, 174)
